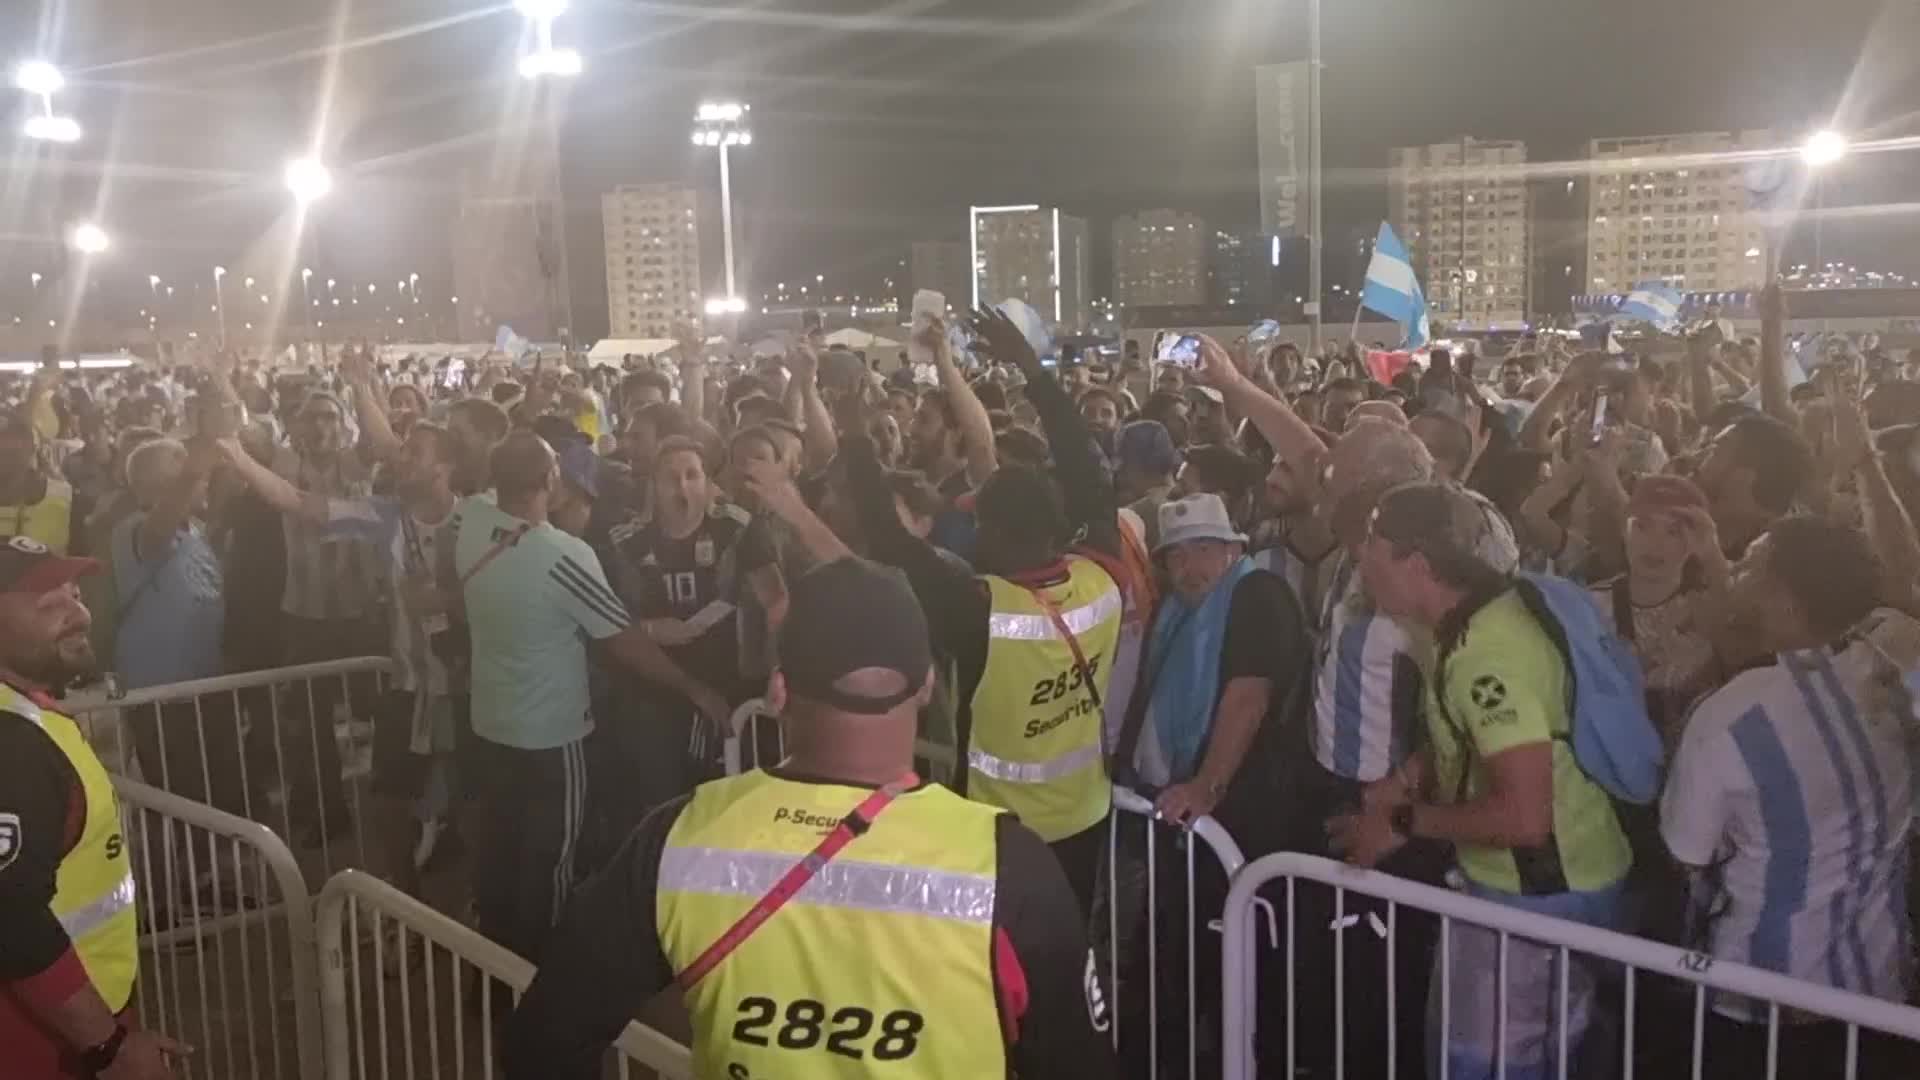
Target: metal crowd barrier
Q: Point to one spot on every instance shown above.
(1624, 960)
(1130, 923)
(226, 939)
(261, 747)
(755, 740)
(407, 991)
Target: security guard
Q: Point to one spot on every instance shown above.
(833, 916)
(1051, 632)
(1034, 637)
(33, 502)
(68, 955)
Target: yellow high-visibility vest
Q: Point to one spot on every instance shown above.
(47, 521)
(1035, 744)
(880, 967)
(93, 889)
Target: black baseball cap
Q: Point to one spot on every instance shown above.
(28, 566)
(852, 615)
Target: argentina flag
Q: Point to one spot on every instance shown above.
(1652, 302)
(1392, 290)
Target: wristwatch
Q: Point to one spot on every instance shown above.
(98, 1058)
(1402, 820)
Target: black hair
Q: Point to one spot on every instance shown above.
(991, 394)
(1023, 506)
(1829, 569)
(483, 416)
(1023, 446)
(757, 433)
(665, 418)
(912, 488)
(638, 380)
(1422, 517)
(1223, 470)
(681, 444)
(755, 409)
(1781, 460)
(1346, 383)
(941, 401)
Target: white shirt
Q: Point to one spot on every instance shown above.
(1795, 781)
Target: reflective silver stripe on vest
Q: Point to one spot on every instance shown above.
(83, 920)
(862, 886)
(1033, 772)
(1081, 620)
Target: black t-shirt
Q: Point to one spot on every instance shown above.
(37, 791)
(692, 578)
(604, 961)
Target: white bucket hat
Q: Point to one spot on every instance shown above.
(1196, 517)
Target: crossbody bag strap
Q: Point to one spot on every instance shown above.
(494, 552)
(852, 826)
(1073, 643)
(1142, 699)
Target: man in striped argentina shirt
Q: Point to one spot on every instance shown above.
(1791, 800)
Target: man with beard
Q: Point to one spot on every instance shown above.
(952, 441)
(68, 954)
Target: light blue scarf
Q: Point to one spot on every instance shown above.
(1184, 652)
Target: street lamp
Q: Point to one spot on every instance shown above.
(724, 125)
(308, 180)
(43, 80)
(220, 304)
(1821, 149)
(546, 61)
(89, 239)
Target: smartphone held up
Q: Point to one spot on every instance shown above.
(1181, 350)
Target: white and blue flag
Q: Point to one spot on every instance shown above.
(1032, 325)
(1652, 302)
(1392, 290)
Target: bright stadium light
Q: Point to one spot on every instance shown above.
(723, 124)
(89, 239)
(726, 305)
(39, 77)
(560, 63)
(308, 180)
(1823, 148)
(59, 129)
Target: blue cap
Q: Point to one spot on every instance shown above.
(580, 466)
(1145, 446)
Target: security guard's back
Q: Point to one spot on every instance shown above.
(834, 916)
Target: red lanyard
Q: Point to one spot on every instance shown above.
(853, 825)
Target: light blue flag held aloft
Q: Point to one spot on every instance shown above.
(1392, 289)
(1652, 302)
(1809, 353)
(1032, 326)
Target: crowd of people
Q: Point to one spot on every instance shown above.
(1260, 586)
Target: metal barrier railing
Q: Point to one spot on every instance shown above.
(287, 747)
(226, 939)
(444, 1026)
(1130, 923)
(1520, 938)
(755, 740)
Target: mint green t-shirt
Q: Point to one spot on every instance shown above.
(530, 611)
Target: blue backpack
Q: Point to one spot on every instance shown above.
(1614, 740)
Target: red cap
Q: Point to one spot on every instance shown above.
(1655, 492)
(27, 566)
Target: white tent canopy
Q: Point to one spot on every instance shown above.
(860, 339)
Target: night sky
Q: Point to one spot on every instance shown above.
(878, 123)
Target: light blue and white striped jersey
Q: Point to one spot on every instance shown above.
(1793, 782)
(1366, 683)
(1299, 572)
